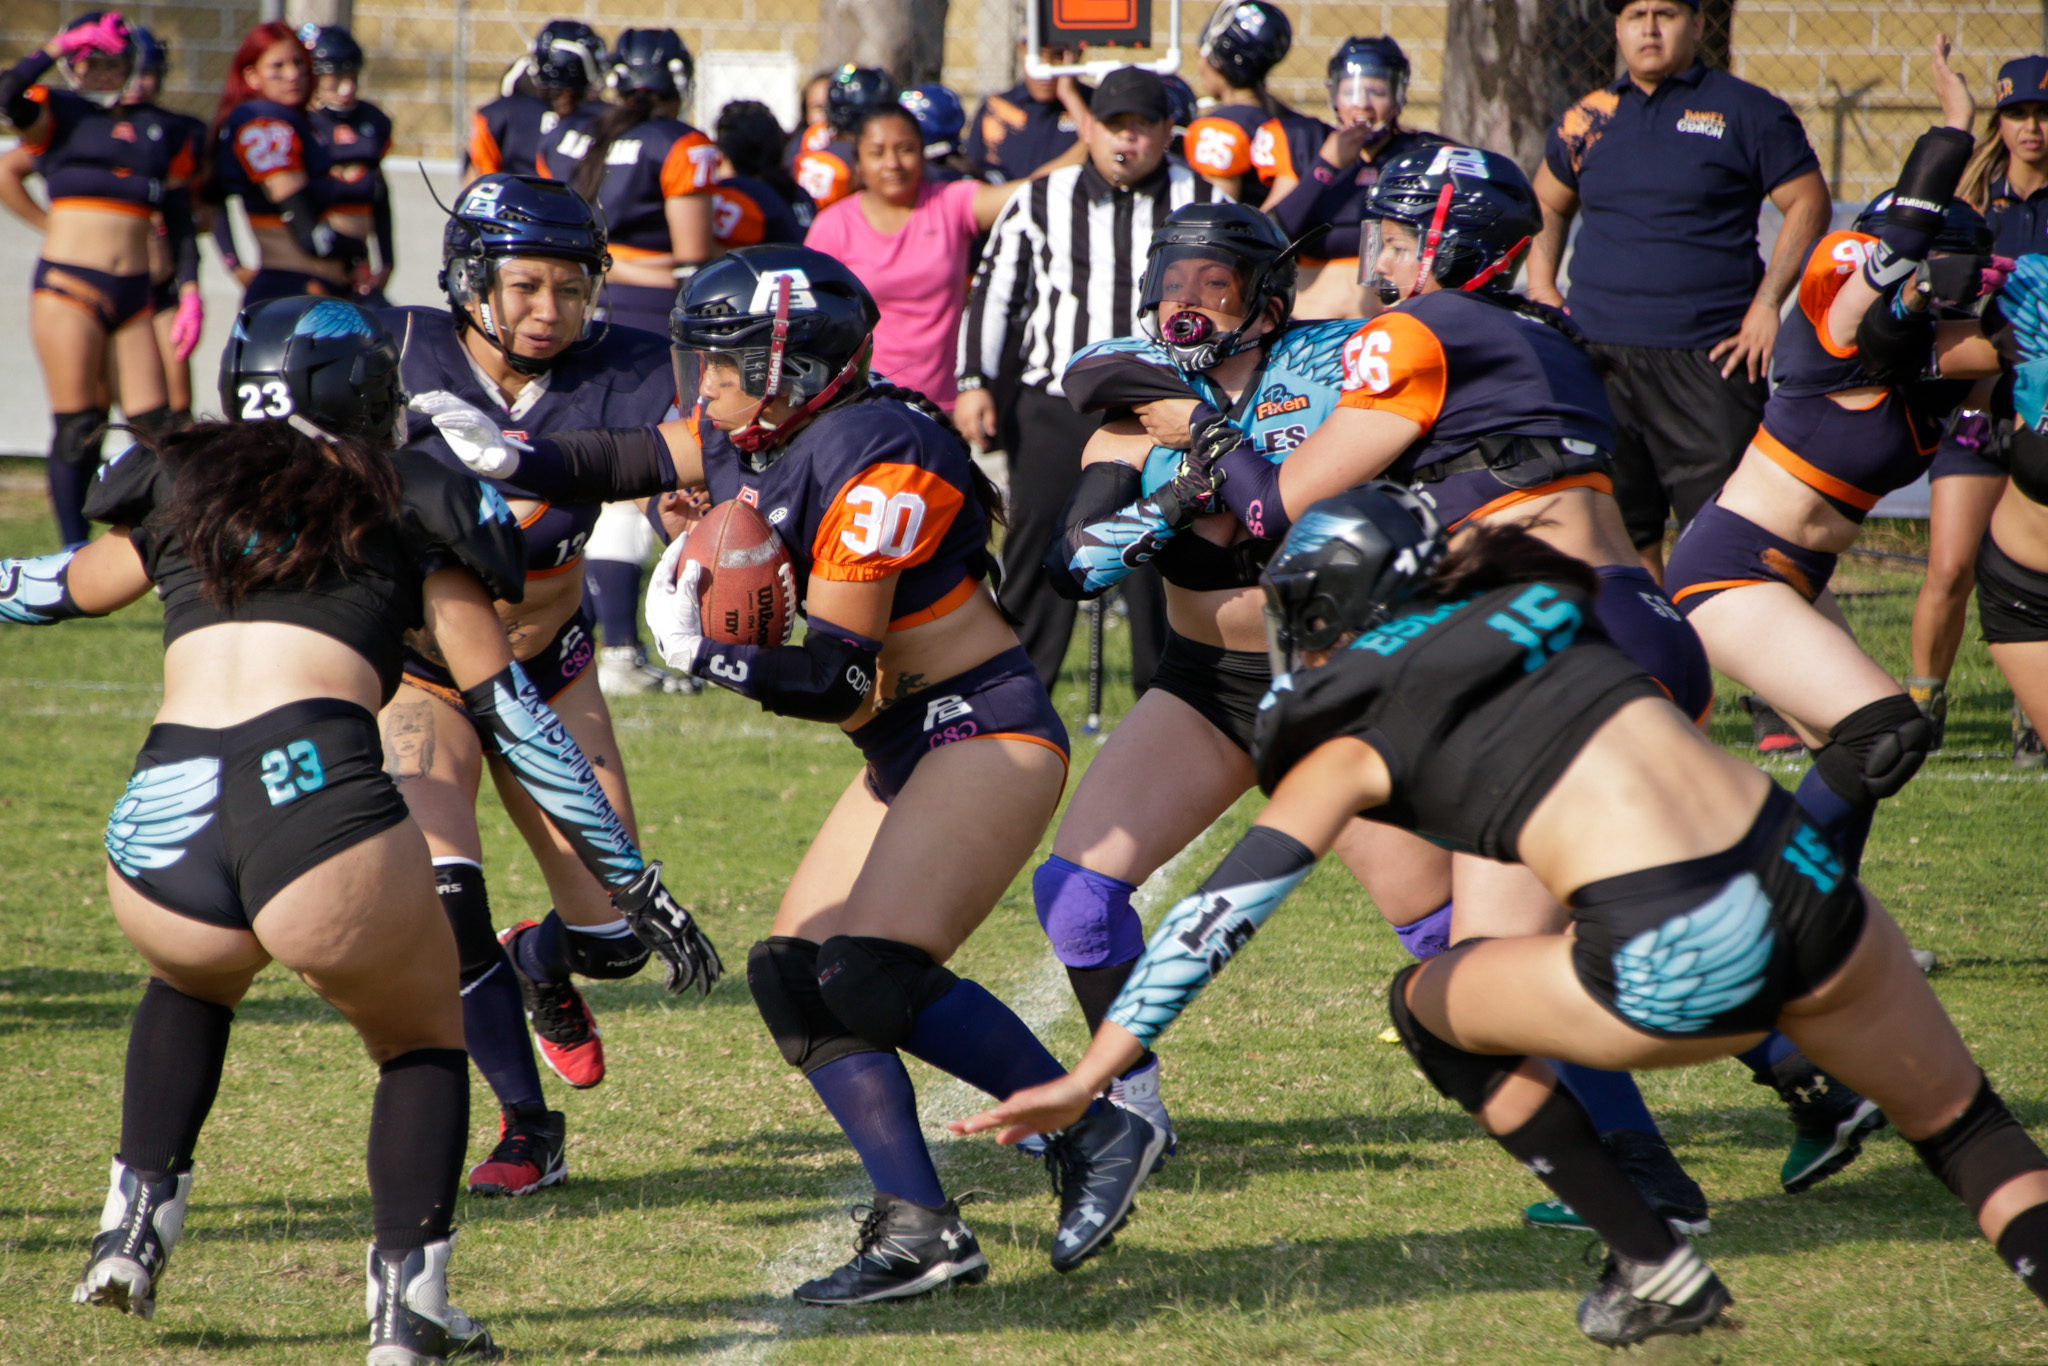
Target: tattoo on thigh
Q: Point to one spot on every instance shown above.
(409, 740)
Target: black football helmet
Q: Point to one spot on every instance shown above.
(1235, 235)
(1380, 58)
(731, 314)
(567, 55)
(499, 216)
(333, 48)
(1476, 204)
(152, 54)
(1245, 39)
(853, 91)
(1346, 564)
(1963, 230)
(324, 364)
(1180, 100)
(654, 61)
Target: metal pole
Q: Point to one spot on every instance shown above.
(1093, 726)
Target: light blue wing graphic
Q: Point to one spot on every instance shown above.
(162, 809)
(492, 507)
(32, 591)
(1696, 966)
(1194, 943)
(332, 319)
(552, 769)
(1316, 352)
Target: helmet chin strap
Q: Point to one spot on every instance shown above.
(1425, 267)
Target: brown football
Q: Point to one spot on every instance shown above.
(748, 595)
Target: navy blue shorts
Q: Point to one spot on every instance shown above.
(565, 659)
(112, 300)
(1985, 451)
(999, 698)
(1718, 945)
(1651, 631)
(1722, 550)
(217, 822)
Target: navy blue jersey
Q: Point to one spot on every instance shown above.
(747, 213)
(120, 160)
(355, 142)
(2019, 223)
(505, 135)
(1326, 194)
(260, 139)
(865, 491)
(622, 380)
(1011, 134)
(1669, 186)
(445, 519)
(645, 167)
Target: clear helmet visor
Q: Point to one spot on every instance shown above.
(1280, 653)
(1389, 260)
(717, 383)
(1378, 91)
(1192, 276)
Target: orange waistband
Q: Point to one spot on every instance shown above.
(126, 208)
(1811, 475)
(267, 220)
(1598, 482)
(961, 593)
(622, 251)
(355, 211)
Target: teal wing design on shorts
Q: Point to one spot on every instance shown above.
(162, 809)
(1695, 966)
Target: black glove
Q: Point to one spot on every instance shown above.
(1193, 491)
(663, 924)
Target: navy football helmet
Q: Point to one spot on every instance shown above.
(1245, 39)
(1471, 212)
(940, 118)
(853, 91)
(152, 54)
(1260, 269)
(1346, 564)
(567, 55)
(322, 363)
(652, 60)
(1378, 58)
(499, 216)
(333, 48)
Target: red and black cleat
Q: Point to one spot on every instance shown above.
(570, 1043)
(529, 1155)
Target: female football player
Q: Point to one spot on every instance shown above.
(1474, 698)
(2012, 565)
(293, 551)
(1241, 43)
(355, 134)
(886, 521)
(107, 168)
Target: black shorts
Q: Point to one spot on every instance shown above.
(1000, 698)
(1680, 430)
(1225, 686)
(1718, 945)
(1989, 455)
(112, 300)
(561, 662)
(163, 296)
(217, 822)
(1723, 550)
(2012, 600)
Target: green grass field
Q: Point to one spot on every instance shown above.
(1326, 1205)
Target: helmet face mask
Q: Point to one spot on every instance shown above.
(101, 77)
(1344, 568)
(1212, 273)
(1470, 211)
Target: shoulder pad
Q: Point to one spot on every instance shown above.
(126, 489)
(451, 518)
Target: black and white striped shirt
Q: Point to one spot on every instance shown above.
(1067, 258)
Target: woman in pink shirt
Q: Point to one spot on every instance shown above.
(909, 240)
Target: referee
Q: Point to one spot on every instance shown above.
(1669, 165)
(1062, 270)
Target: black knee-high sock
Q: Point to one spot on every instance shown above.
(175, 1050)
(1096, 989)
(419, 1124)
(1559, 1145)
(2024, 1246)
(68, 485)
(493, 1018)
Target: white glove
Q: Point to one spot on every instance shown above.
(473, 434)
(672, 611)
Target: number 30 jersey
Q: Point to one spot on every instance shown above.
(867, 490)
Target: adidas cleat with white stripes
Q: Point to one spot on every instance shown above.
(1637, 1300)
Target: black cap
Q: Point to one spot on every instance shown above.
(1131, 90)
(1617, 6)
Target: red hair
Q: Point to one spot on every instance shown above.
(259, 40)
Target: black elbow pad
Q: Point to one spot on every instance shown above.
(825, 678)
(1894, 349)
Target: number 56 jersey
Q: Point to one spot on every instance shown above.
(867, 490)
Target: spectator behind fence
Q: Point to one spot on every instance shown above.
(2007, 178)
(910, 238)
(1670, 164)
(1014, 133)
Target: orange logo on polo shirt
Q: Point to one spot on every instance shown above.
(1707, 121)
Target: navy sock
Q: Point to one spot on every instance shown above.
(970, 1034)
(871, 1097)
(1846, 824)
(493, 1016)
(539, 951)
(68, 484)
(1611, 1099)
(614, 589)
(1760, 1060)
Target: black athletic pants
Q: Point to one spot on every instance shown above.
(1680, 431)
(1045, 437)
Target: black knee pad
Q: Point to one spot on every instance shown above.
(153, 423)
(1982, 1150)
(602, 958)
(1875, 750)
(77, 439)
(782, 976)
(1470, 1079)
(877, 987)
(461, 889)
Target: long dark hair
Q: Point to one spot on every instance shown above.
(629, 113)
(983, 488)
(1554, 318)
(1490, 557)
(752, 139)
(256, 503)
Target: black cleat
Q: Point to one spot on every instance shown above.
(1637, 1300)
(1773, 734)
(139, 1226)
(1097, 1164)
(1655, 1173)
(411, 1321)
(1829, 1122)
(529, 1155)
(903, 1249)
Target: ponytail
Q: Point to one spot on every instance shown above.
(631, 111)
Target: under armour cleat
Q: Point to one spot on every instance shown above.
(1930, 695)
(1829, 1121)
(529, 1155)
(903, 1249)
(139, 1225)
(1138, 1090)
(1773, 734)
(2027, 750)
(624, 671)
(570, 1043)
(1637, 1300)
(411, 1321)
(1097, 1164)
(1654, 1171)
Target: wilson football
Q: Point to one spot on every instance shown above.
(748, 594)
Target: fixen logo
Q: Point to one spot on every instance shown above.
(1274, 407)
(1706, 121)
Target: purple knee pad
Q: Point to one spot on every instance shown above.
(1086, 915)
(1429, 936)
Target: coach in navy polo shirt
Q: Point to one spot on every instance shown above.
(1669, 167)
(1014, 133)
(2010, 178)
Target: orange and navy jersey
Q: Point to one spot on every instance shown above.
(747, 213)
(826, 174)
(505, 135)
(868, 490)
(1327, 195)
(121, 160)
(1469, 371)
(257, 140)
(355, 142)
(645, 167)
(1286, 145)
(1220, 142)
(1805, 362)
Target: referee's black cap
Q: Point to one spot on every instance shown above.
(1131, 90)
